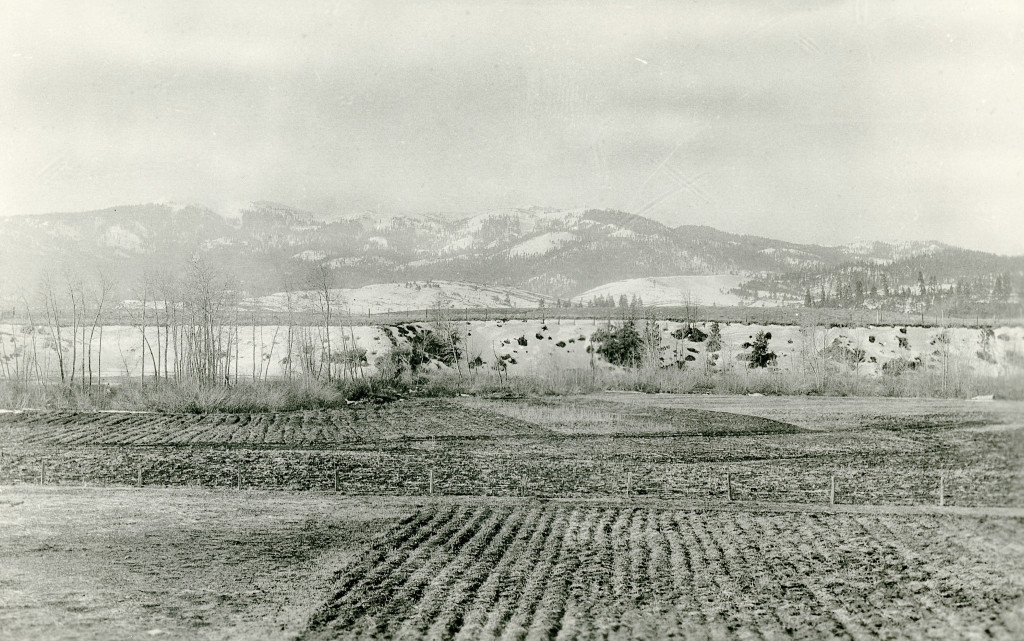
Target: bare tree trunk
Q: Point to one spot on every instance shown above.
(270, 356)
(52, 307)
(142, 375)
(167, 335)
(253, 346)
(156, 361)
(74, 329)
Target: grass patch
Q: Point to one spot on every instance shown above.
(194, 398)
(285, 396)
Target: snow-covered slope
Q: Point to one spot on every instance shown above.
(542, 244)
(543, 347)
(671, 291)
(410, 296)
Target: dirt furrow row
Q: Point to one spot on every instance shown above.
(457, 556)
(512, 582)
(482, 562)
(486, 596)
(743, 567)
(373, 591)
(516, 626)
(419, 571)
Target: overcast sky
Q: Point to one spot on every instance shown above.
(810, 121)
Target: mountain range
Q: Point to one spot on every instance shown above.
(558, 253)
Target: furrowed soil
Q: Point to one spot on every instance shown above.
(122, 563)
(880, 451)
(575, 571)
(605, 516)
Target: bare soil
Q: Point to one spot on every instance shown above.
(581, 572)
(880, 451)
(578, 517)
(116, 563)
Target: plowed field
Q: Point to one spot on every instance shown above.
(564, 571)
(553, 448)
(411, 420)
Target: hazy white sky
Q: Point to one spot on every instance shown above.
(811, 121)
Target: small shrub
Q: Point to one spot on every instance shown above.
(392, 365)
(560, 344)
(690, 333)
(842, 353)
(897, 366)
(521, 340)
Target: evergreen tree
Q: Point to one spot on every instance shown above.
(715, 338)
(759, 354)
(622, 346)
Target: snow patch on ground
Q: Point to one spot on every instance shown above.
(311, 255)
(671, 291)
(554, 345)
(117, 236)
(461, 243)
(542, 244)
(412, 296)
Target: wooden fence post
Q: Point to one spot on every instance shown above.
(942, 490)
(42, 473)
(335, 479)
(832, 491)
(138, 478)
(239, 479)
(431, 481)
(728, 483)
(629, 483)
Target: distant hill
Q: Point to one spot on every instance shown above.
(556, 253)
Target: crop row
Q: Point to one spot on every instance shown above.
(515, 468)
(358, 424)
(559, 571)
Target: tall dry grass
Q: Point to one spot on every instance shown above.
(189, 397)
(921, 383)
(282, 395)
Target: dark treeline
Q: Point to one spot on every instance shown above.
(968, 284)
